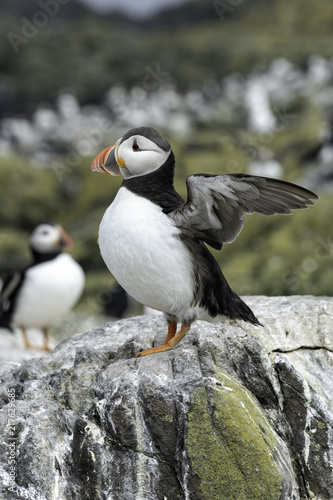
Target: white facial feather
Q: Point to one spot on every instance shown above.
(147, 159)
(45, 238)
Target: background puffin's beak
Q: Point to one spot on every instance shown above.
(105, 162)
(65, 240)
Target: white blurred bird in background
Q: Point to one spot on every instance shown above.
(40, 294)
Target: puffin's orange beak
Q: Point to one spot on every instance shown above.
(66, 240)
(105, 162)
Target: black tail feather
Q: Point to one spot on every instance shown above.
(235, 308)
(213, 291)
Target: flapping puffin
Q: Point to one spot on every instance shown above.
(154, 242)
(40, 294)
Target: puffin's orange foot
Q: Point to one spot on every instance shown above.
(41, 348)
(153, 350)
(169, 343)
(46, 348)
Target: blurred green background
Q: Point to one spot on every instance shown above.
(235, 86)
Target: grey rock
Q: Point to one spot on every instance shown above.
(300, 327)
(227, 414)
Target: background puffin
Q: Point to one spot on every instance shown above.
(115, 302)
(153, 242)
(40, 294)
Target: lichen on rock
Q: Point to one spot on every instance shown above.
(231, 444)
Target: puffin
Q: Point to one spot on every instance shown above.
(155, 243)
(39, 294)
(116, 302)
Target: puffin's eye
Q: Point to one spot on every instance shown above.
(136, 146)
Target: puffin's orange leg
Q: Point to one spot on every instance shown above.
(25, 339)
(27, 344)
(172, 329)
(46, 346)
(177, 338)
(167, 344)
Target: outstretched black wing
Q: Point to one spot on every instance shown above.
(216, 204)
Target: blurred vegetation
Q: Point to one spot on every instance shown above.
(193, 43)
(273, 255)
(87, 54)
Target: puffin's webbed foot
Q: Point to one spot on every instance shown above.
(170, 341)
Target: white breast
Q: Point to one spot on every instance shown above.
(48, 292)
(139, 244)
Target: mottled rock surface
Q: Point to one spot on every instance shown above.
(232, 412)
